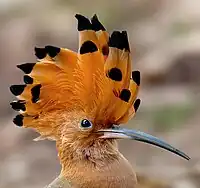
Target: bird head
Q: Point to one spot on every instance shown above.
(82, 99)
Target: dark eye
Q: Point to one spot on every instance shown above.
(86, 124)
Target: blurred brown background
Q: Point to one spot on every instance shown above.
(165, 43)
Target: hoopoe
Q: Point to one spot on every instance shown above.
(80, 101)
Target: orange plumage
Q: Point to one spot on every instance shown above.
(69, 97)
(69, 81)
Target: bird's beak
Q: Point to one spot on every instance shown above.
(118, 132)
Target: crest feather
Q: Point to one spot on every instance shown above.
(102, 35)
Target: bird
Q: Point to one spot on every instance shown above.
(81, 100)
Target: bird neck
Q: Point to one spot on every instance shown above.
(102, 159)
(92, 155)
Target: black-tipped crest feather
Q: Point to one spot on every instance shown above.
(28, 79)
(26, 67)
(136, 104)
(119, 40)
(136, 77)
(17, 89)
(40, 53)
(96, 24)
(18, 105)
(52, 50)
(83, 23)
(18, 120)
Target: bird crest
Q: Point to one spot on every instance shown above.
(97, 81)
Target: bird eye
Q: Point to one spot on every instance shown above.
(86, 124)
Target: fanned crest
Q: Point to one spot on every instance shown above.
(97, 80)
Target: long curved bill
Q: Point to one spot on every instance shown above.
(118, 132)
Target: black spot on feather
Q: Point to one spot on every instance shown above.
(119, 40)
(28, 79)
(17, 89)
(136, 77)
(115, 74)
(83, 23)
(96, 24)
(40, 53)
(88, 47)
(35, 91)
(18, 120)
(26, 67)
(52, 50)
(136, 104)
(125, 95)
(18, 105)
